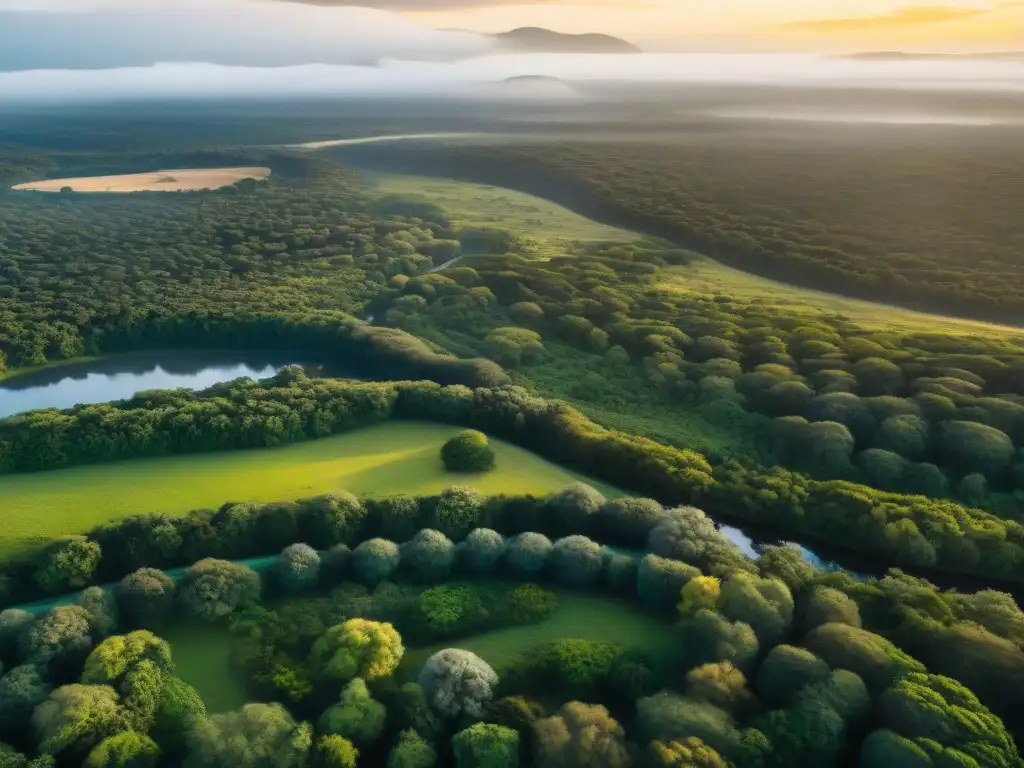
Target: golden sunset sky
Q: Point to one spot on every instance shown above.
(960, 25)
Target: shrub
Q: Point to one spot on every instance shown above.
(334, 564)
(358, 648)
(683, 753)
(428, 556)
(357, 716)
(68, 564)
(481, 550)
(687, 534)
(660, 580)
(877, 661)
(412, 751)
(765, 604)
(456, 512)
(256, 735)
(573, 508)
(699, 593)
(375, 560)
(527, 554)
(75, 718)
(445, 611)
(21, 690)
(528, 604)
(825, 605)
(336, 752)
(968, 446)
(468, 451)
(127, 749)
(580, 735)
(667, 716)
(577, 560)
(298, 567)
(722, 685)
(630, 521)
(708, 636)
(786, 671)
(145, 597)
(334, 518)
(575, 666)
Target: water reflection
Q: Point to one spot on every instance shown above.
(121, 376)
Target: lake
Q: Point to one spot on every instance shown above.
(120, 376)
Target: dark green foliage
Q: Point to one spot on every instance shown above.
(298, 567)
(412, 751)
(145, 597)
(576, 667)
(575, 508)
(786, 671)
(577, 561)
(444, 612)
(876, 660)
(256, 736)
(375, 560)
(211, 589)
(528, 604)
(69, 564)
(21, 690)
(485, 745)
(527, 554)
(688, 534)
(629, 521)
(13, 623)
(335, 564)
(481, 550)
(707, 636)
(668, 716)
(825, 605)
(357, 716)
(335, 518)
(659, 581)
(179, 707)
(766, 605)
(456, 512)
(428, 556)
(468, 451)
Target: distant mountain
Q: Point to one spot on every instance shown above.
(905, 56)
(537, 40)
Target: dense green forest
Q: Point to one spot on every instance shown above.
(773, 663)
(354, 645)
(921, 220)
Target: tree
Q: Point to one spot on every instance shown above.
(481, 550)
(468, 451)
(179, 708)
(412, 751)
(511, 347)
(882, 469)
(256, 736)
(528, 604)
(906, 435)
(786, 671)
(825, 605)
(877, 661)
(145, 597)
(887, 749)
(667, 716)
(112, 659)
(21, 690)
(576, 560)
(687, 534)
(334, 564)
(527, 554)
(358, 648)
(60, 639)
(212, 589)
(375, 560)
(485, 745)
(14, 623)
(101, 608)
(428, 556)
(630, 521)
(700, 592)
(708, 636)
(127, 749)
(68, 564)
(334, 518)
(580, 736)
(456, 512)
(74, 718)
(335, 751)
(877, 376)
(357, 716)
(683, 753)
(457, 681)
(787, 563)
(298, 567)
(764, 604)
(721, 684)
(827, 447)
(574, 507)
(968, 446)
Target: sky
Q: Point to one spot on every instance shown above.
(659, 25)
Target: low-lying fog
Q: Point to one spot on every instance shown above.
(466, 76)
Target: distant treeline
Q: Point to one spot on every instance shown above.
(920, 226)
(900, 529)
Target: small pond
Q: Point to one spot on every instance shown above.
(120, 376)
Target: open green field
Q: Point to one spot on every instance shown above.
(587, 616)
(202, 658)
(390, 458)
(545, 228)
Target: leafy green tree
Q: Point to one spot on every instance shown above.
(574, 507)
(179, 708)
(721, 684)
(700, 592)
(357, 716)
(126, 749)
(21, 690)
(74, 718)
(412, 751)
(528, 604)
(298, 567)
(787, 563)
(511, 347)
(358, 648)
(375, 560)
(766, 605)
(456, 512)
(468, 451)
(69, 564)
(335, 751)
(14, 623)
(667, 716)
(428, 556)
(60, 640)
(444, 611)
(577, 560)
(629, 521)
(786, 671)
(334, 565)
(212, 589)
(876, 660)
(825, 605)
(580, 736)
(906, 435)
(527, 554)
(457, 681)
(101, 608)
(689, 535)
(708, 636)
(877, 376)
(659, 581)
(334, 518)
(112, 659)
(683, 753)
(145, 597)
(882, 469)
(968, 446)
(485, 745)
(256, 736)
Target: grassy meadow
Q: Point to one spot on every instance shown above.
(592, 617)
(391, 458)
(202, 658)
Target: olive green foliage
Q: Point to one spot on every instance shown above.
(575, 507)
(60, 638)
(442, 612)
(629, 521)
(826, 605)
(786, 671)
(211, 589)
(70, 564)
(765, 604)
(659, 581)
(667, 716)
(145, 597)
(256, 736)
(180, 707)
(580, 736)
(700, 592)
(334, 518)
(74, 718)
(468, 451)
(688, 534)
(335, 751)
(112, 659)
(707, 636)
(357, 716)
(375, 560)
(21, 690)
(722, 685)
(412, 751)
(528, 604)
(683, 753)
(575, 666)
(456, 512)
(358, 648)
(485, 745)
(876, 660)
(127, 749)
